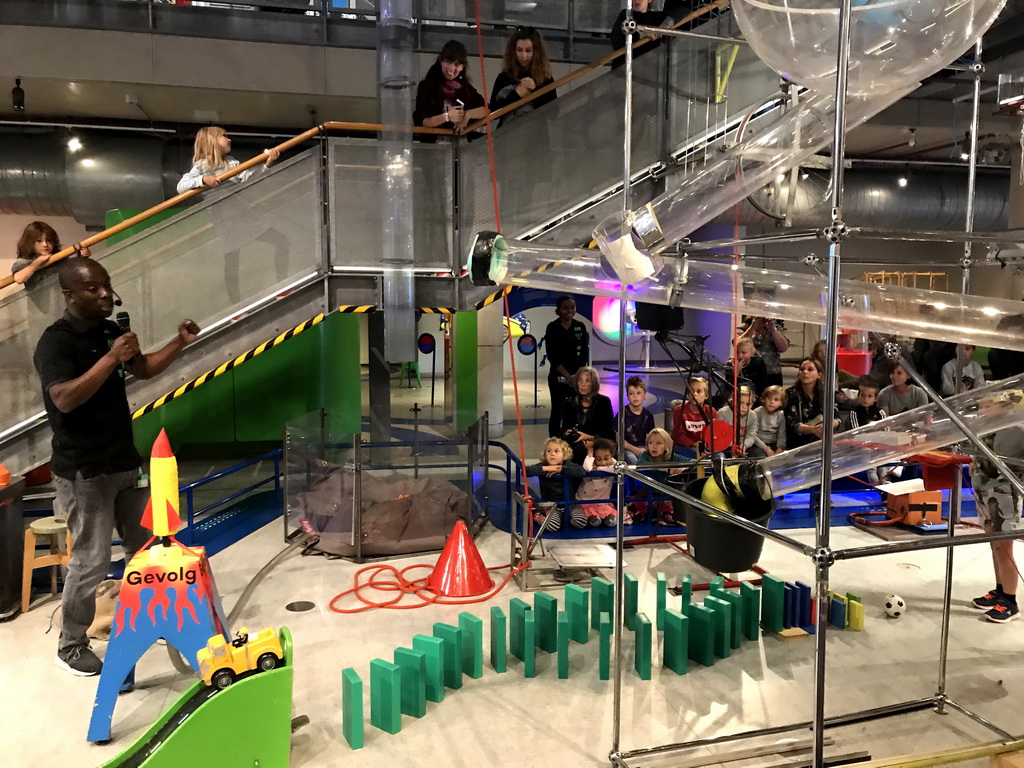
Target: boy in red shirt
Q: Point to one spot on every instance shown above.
(687, 421)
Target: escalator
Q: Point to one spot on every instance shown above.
(254, 261)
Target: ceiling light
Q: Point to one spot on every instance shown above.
(965, 156)
(902, 181)
(88, 162)
(74, 144)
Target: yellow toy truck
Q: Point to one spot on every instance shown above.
(221, 663)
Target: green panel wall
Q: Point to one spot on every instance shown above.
(317, 368)
(117, 215)
(464, 369)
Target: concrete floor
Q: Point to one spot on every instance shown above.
(504, 719)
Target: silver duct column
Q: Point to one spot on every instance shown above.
(396, 60)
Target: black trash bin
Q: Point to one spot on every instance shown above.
(12, 547)
(715, 543)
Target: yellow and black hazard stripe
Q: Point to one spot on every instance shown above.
(436, 310)
(189, 386)
(492, 298)
(356, 308)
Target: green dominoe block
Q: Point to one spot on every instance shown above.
(702, 633)
(605, 649)
(676, 642)
(662, 594)
(545, 609)
(472, 645)
(413, 664)
(685, 590)
(529, 645)
(736, 627)
(518, 611)
(452, 639)
(433, 651)
(722, 622)
(352, 708)
(773, 600)
(717, 585)
(631, 599)
(499, 639)
(385, 696)
(602, 600)
(576, 605)
(751, 597)
(563, 645)
(642, 649)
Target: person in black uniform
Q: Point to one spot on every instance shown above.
(567, 346)
(81, 360)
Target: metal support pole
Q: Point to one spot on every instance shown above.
(620, 496)
(956, 493)
(953, 416)
(836, 232)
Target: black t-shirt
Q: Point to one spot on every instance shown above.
(96, 437)
(568, 347)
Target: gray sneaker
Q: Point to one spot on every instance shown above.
(80, 661)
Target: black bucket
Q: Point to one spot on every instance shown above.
(716, 543)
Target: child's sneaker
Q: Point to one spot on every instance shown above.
(610, 521)
(987, 601)
(1003, 611)
(665, 517)
(577, 517)
(552, 514)
(593, 521)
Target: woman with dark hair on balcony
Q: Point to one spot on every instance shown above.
(524, 69)
(445, 97)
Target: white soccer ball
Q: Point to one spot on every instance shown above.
(894, 606)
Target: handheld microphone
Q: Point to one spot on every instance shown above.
(121, 318)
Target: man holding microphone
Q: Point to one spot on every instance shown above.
(81, 360)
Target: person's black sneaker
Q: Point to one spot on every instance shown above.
(1003, 611)
(987, 601)
(80, 661)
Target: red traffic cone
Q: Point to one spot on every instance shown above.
(460, 571)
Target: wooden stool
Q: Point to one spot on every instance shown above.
(44, 526)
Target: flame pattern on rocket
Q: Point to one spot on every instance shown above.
(161, 515)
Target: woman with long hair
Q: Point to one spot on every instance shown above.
(524, 69)
(445, 98)
(211, 155)
(37, 244)
(804, 403)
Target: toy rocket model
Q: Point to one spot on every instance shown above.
(161, 515)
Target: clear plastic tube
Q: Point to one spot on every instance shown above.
(749, 290)
(989, 409)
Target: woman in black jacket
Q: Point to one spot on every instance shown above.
(524, 69)
(588, 415)
(445, 98)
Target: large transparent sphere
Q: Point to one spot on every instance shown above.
(893, 43)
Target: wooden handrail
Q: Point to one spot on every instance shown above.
(8, 280)
(578, 73)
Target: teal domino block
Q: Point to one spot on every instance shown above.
(413, 664)
(736, 627)
(675, 644)
(529, 645)
(751, 598)
(602, 600)
(631, 599)
(661, 584)
(642, 648)
(772, 602)
(452, 638)
(722, 623)
(604, 665)
(702, 633)
(717, 585)
(564, 631)
(577, 601)
(499, 639)
(433, 650)
(518, 610)
(352, 708)
(545, 609)
(472, 645)
(685, 590)
(385, 696)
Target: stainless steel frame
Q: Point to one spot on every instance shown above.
(821, 554)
